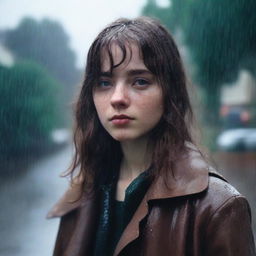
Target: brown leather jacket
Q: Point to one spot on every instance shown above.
(200, 214)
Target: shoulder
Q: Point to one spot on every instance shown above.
(222, 200)
(68, 202)
(74, 198)
(226, 220)
(219, 189)
(218, 192)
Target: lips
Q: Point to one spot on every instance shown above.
(119, 117)
(120, 120)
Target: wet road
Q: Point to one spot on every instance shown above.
(24, 230)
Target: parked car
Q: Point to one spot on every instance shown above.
(235, 116)
(239, 139)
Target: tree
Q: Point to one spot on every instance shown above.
(47, 43)
(221, 42)
(163, 13)
(221, 36)
(173, 16)
(29, 109)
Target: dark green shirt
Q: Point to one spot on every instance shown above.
(115, 215)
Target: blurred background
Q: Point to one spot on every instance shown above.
(43, 48)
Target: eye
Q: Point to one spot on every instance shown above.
(104, 83)
(141, 82)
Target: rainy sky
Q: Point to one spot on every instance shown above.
(82, 19)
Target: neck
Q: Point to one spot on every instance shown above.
(136, 158)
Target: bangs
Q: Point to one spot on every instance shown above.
(107, 51)
(119, 35)
(123, 41)
(157, 54)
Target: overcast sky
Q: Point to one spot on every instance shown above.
(82, 19)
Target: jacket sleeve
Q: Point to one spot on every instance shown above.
(229, 230)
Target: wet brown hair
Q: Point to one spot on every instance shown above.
(97, 155)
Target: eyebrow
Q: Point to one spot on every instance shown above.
(131, 72)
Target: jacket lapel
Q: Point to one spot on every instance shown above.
(190, 176)
(81, 240)
(87, 213)
(131, 232)
(68, 202)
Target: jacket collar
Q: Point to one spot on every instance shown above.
(190, 176)
(68, 202)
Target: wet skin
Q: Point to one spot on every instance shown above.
(129, 101)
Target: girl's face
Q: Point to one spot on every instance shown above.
(129, 102)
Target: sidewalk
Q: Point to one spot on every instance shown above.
(25, 200)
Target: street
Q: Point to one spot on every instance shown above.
(25, 201)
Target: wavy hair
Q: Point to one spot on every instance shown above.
(97, 155)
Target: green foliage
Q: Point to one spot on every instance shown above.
(47, 43)
(174, 16)
(221, 36)
(29, 109)
(153, 10)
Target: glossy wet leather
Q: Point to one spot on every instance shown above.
(197, 214)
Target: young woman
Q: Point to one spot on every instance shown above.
(140, 186)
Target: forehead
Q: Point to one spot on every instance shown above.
(122, 58)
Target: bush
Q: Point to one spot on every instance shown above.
(29, 109)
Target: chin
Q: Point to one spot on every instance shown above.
(125, 137)
(121, 137)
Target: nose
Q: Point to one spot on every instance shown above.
(120, 97)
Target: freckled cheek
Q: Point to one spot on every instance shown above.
(100, 106)
(151, 107)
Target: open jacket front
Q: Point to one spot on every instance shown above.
(194, 212)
